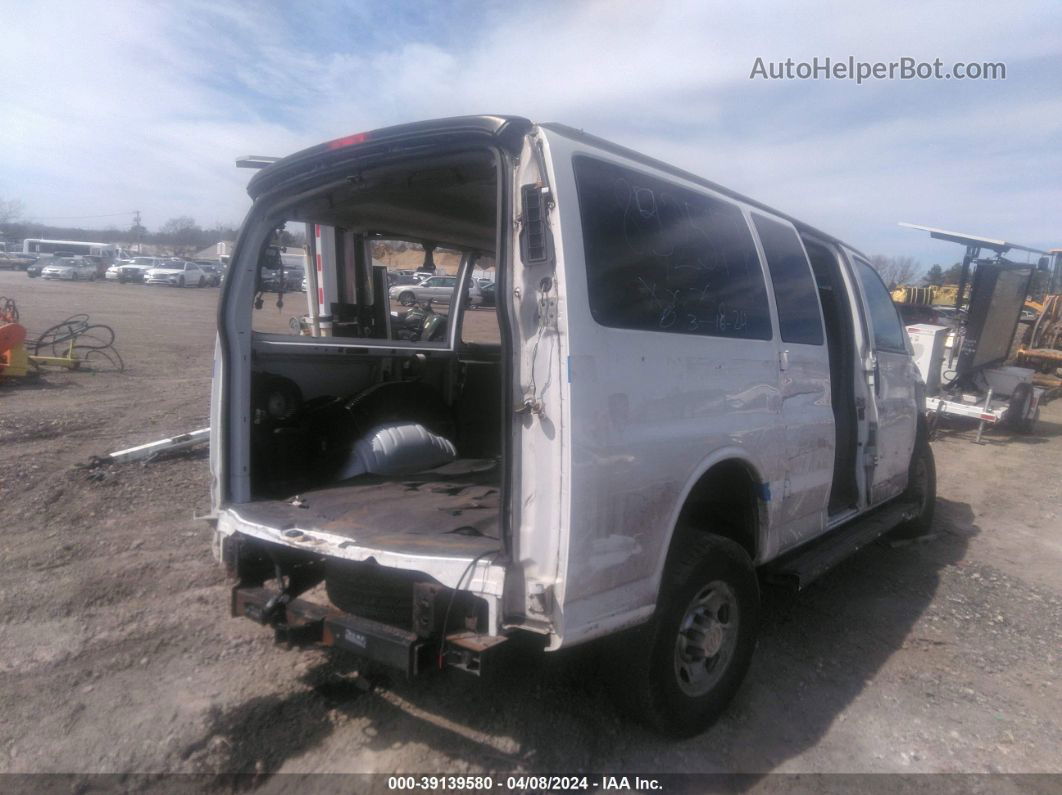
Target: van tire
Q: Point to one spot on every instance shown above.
(921, 489)
(710, 583)
(371, 591)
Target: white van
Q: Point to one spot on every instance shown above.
(682, 393)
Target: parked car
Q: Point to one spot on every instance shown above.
(133, 270)
(69, 269)
(438, 288)
(692, 392)
(35, 266)
(294, 278)
(99, 262)
(397, 278)
(16, 261)
(213, 271)
(486, 291)
(177, 273)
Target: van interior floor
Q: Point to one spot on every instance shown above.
(452, 510)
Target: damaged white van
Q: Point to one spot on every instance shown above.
(679, 393)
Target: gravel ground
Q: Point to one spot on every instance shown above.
(117, 652)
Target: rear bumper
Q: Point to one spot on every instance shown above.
(302, 623)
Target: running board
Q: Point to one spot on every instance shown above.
(801, 567)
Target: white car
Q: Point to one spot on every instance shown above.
(438, 288)
(70, 269)
(178, 274)
(132, 270)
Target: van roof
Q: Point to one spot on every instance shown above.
(505, 131)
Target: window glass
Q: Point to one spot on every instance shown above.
(410, 311)
(664, 258)
(799, 316)
(480, 323)
(888, 333)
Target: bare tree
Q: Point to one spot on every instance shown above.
(895, 271)
(181, 234)
(10, 210)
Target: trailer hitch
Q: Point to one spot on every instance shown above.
(294, 579)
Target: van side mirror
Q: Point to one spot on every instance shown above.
(1043, 264)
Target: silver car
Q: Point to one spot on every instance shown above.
(70, 269)
(438, 288)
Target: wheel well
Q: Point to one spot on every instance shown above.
(725, 502)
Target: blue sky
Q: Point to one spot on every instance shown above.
(110, 107)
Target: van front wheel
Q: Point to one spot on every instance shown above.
(692, 656)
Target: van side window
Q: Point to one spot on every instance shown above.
(888, 333)
(795, 295)
(663, 258)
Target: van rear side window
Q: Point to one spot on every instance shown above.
(663, 258)
(795, 295)
(888, 333)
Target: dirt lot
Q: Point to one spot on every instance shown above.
(117, 652)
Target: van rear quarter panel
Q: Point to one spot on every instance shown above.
(647, 411)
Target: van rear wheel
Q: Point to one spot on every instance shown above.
(685, 665)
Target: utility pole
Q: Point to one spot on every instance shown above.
(139, 230)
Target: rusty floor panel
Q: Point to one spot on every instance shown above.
(451, 510)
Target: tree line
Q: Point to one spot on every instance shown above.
(181, 235)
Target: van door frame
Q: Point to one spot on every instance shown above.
(236, 337)
(888, 373)
(862, 393)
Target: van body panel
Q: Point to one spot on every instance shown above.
(648, 409)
